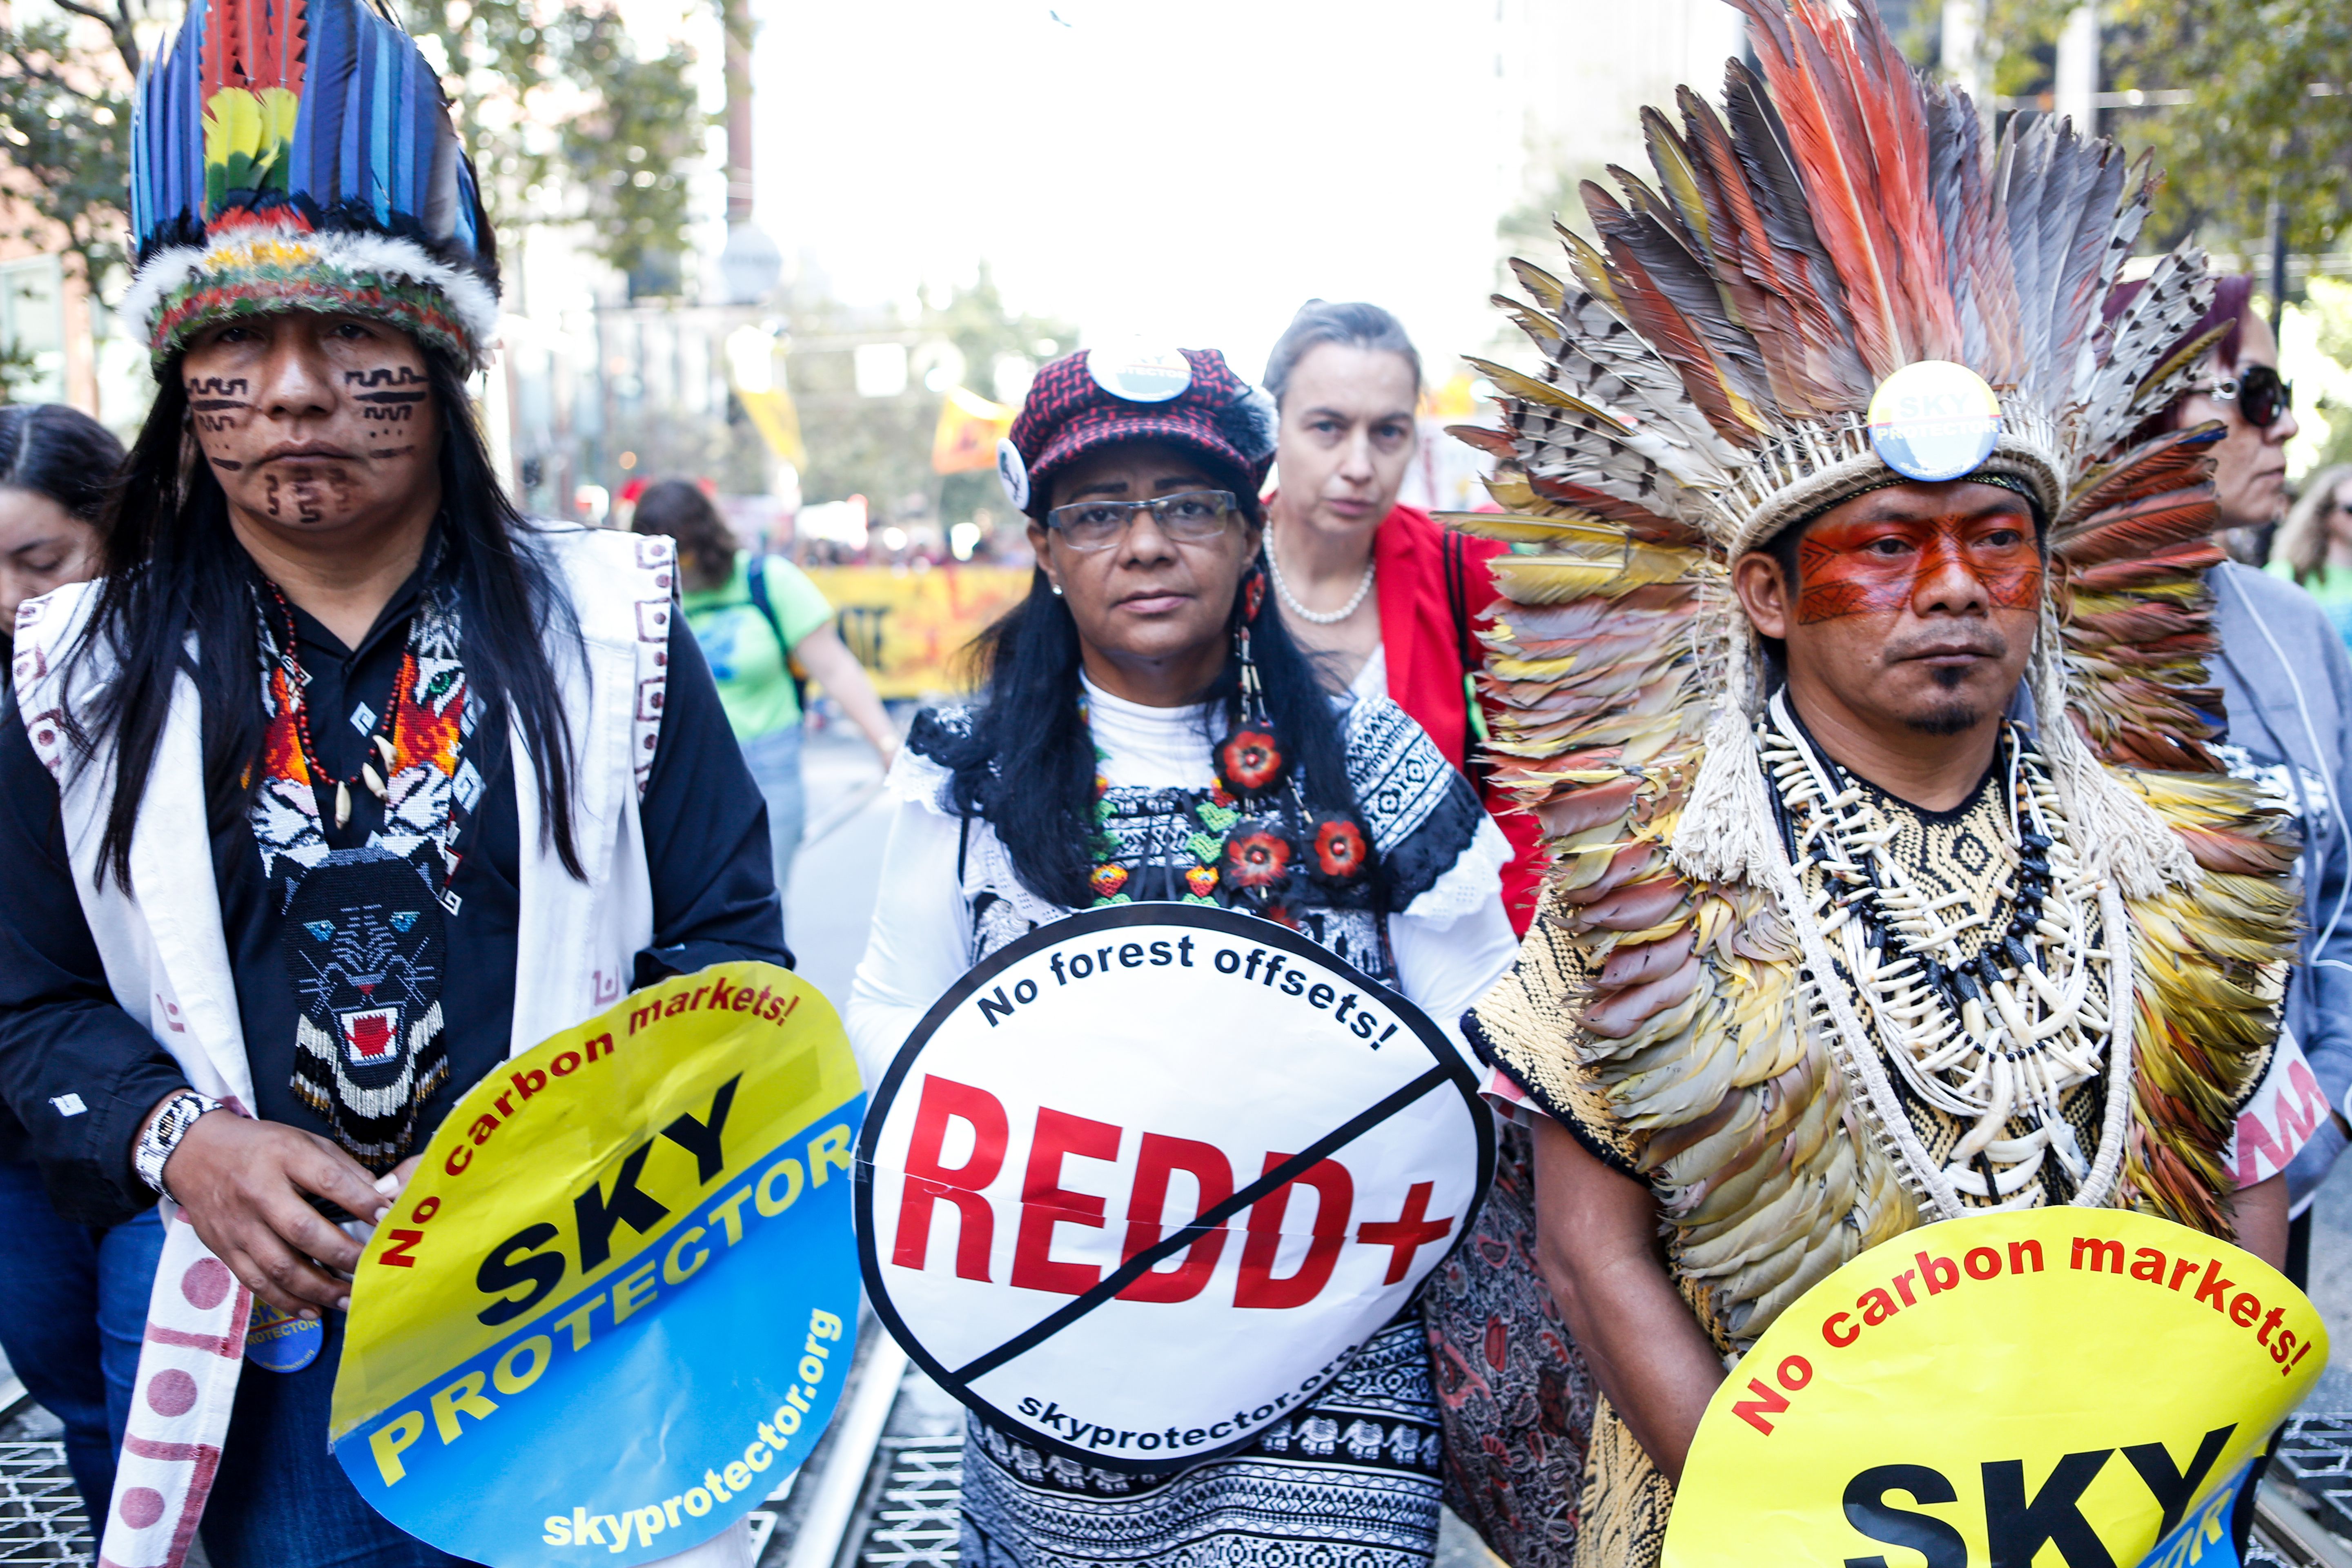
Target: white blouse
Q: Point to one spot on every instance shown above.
(1452, 943)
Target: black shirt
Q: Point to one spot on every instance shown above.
(63, 1041)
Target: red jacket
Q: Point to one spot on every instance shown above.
(1434, 588)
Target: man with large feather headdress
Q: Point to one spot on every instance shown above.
(1856, 677)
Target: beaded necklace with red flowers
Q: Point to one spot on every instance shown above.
(1262, 846)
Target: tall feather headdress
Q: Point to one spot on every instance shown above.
(297, 154)
(1709, 371)
(1706, 377)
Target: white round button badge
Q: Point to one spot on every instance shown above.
(1933, 420)
(1013, 474)
(1139, 372)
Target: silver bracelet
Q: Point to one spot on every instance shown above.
(163, 1132)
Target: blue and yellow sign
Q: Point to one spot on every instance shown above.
(615, 1306)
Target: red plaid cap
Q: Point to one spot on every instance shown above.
(1068, 413)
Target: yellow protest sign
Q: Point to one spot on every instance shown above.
(907, 627)
(2059, 1384)
(621, 1283)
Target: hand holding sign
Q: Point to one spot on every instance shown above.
(613, 1309)
(2084, 1380)
(1179, 1142)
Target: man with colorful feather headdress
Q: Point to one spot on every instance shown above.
(1857, 679)
(345, 784)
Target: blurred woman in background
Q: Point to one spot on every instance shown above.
(757, 617)
(57, 464)
(1384, 599)
(57, 472)
(2313, 546)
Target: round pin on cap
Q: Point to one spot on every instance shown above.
(1933, 420)
(1139, 372)
(1013, 474)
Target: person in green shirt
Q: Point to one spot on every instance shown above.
(2313, 546)
(755, 620)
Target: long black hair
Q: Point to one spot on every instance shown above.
(1028, 766)
(62, 453)
(174, 570)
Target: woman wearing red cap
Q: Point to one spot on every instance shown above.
(1085, 776)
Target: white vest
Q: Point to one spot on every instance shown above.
(167, 962)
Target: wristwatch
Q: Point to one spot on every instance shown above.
(163, 1132)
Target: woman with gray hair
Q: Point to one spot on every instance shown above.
(2313, 546)
(1383, 599)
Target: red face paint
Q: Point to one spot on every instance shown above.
(1867, 567)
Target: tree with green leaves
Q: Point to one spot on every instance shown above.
(880, 447)
(2268, 116)
(566, 120)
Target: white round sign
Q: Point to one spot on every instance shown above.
(1144, 1181)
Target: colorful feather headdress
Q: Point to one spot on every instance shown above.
(1708, 372)
(1706, 377)
(297, 154)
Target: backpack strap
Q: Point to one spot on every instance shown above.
(755, 577)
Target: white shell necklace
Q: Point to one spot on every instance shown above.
(2032, 1026)
(1290, 601)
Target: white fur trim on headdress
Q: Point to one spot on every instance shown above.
(471, 300)
(2113, 823)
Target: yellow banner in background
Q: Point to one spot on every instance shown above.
(2006, 1388)
(907, 627)
(970, 426)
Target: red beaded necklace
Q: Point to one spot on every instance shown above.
(383, 741)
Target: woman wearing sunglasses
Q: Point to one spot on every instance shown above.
(1091, 773)
(2287, 699)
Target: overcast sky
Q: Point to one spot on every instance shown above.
(1191, 172)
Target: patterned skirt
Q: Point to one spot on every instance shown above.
(1517, 1402)
(1351, 1482)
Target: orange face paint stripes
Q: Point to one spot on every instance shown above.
(1878, 566)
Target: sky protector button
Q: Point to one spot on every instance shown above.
(1139, 372)
(1933, 420)
(277, 1341)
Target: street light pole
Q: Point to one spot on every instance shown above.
(2077, 84)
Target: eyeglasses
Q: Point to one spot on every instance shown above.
(2262, 398)
(1194, 517)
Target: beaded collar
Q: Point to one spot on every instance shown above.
(1994, 1021)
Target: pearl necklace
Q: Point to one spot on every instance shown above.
(1290, 601)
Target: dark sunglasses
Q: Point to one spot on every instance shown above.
(2261, 397)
